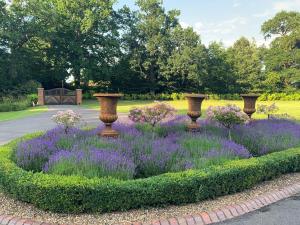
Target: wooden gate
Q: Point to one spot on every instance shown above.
(60, 96)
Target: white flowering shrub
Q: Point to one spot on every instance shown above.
(67, 119)
(152, 114)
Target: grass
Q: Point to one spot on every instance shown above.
(5, 116)
(290, 107)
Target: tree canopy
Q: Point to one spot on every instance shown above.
(90, 41)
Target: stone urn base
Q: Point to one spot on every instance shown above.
(108, 113)
(109, 132)
(193, 126)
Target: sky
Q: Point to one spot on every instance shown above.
(226, 20)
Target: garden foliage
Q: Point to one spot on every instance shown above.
(67, 119)
(152, 114)
(77, 171)
(143, 150)
(74, 194)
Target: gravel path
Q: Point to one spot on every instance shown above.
(16, 208)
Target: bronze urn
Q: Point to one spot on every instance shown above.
(249, 103)
(108, 112)
(194, 110)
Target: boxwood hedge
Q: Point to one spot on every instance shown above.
(71, 194)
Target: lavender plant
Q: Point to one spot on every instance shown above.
(141, 152)
(94, 163)
(266, 136)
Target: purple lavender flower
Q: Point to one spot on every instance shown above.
(235, 149)
(265, 136)
(95, 163)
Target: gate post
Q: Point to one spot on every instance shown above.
(78, 96)
(41, 96)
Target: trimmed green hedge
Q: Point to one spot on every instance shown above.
(77, 194)
(180, 96)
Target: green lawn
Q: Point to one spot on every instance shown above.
(4, 116)
(290, 107)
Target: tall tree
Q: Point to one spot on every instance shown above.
(18, 32)
(283, 56)
(186, 65)
(245, 58)
(152, 48)
(220, 78)
(85, 36)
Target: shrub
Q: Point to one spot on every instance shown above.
(267, 109)
(228, 116)
(95, 163)
(265, 136)
(73, 194)
(180, 96)
(152, 114)
(164, 148)
(8, 104)
(33, 98)
(67, 119)
(280, 96)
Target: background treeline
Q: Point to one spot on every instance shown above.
(43, 42)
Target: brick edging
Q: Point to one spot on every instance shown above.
(201, 218)
(230, 211)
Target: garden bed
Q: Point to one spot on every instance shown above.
(219, 172)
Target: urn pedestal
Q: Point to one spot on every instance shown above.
(108, 113)
(194, 110)
(249, 103)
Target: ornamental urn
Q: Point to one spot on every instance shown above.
(108, 113)
(249, 103)
(194, 110)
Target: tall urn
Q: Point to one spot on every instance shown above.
(194, 110)
(249, 103)
(108, 112)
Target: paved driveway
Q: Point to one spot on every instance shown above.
(16, 128)
(286, 212)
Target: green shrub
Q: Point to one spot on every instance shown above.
(280, 96)
(180, 96)
(73, 194)
(32, 98)
(8, 104)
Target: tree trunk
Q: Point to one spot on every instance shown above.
(76, 74)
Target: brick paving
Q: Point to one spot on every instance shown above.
(201, 218)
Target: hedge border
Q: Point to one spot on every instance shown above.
(72, 194)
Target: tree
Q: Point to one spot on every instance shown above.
(18, 32)
(187, 64)
(86, 37)
(220, 78)
(283, 56)
(245, 58)
(282, 24)
(151, 48)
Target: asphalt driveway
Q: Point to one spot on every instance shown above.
(10, 130)
(286, 212)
